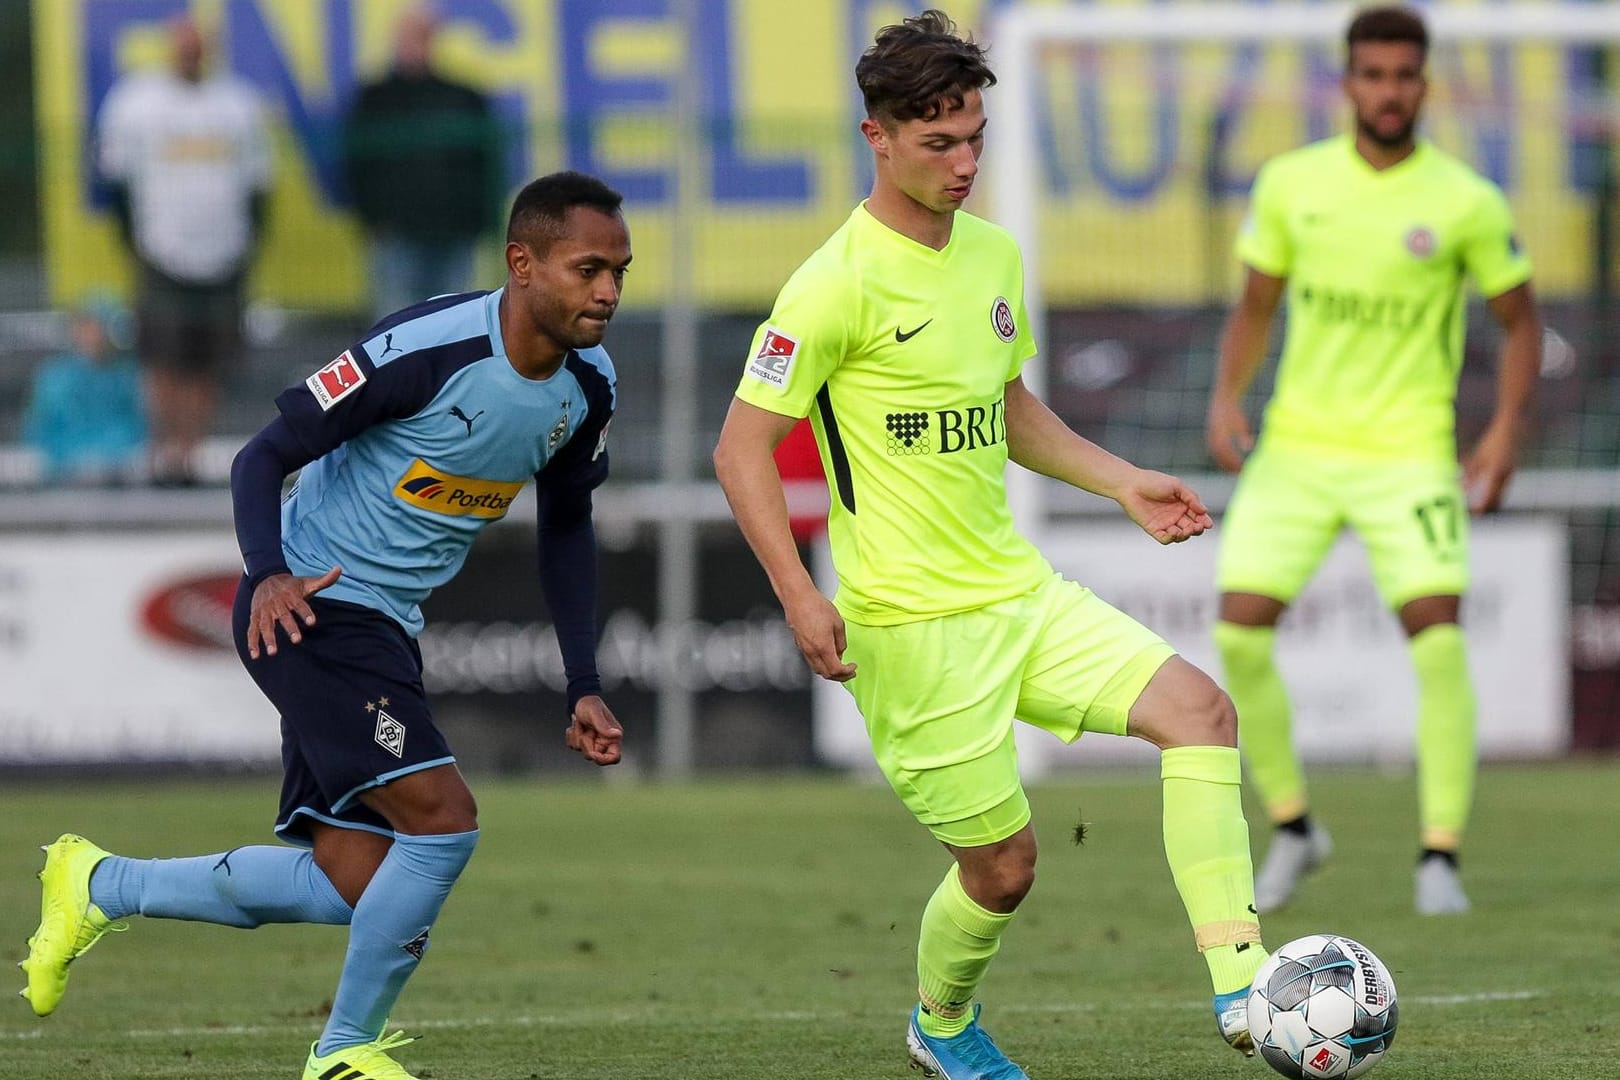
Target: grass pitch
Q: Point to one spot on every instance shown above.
(766, 928)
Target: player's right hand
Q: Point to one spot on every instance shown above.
(818, 630)
(283, 600)
(1227, 432)
(595, 732)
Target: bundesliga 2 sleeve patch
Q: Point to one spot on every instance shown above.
(774, 361)
(336, 380)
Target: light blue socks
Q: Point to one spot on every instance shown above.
(247, 887)
(251, 886)
(389, 932)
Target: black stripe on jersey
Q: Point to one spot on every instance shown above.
(417, 310)
(394, 391)
(835, 450)
(576, 469)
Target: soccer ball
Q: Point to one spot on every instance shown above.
(1323, 1007)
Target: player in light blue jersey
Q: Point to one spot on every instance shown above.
(410, 442)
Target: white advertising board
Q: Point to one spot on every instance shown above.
(1341, 653)
(116, 648)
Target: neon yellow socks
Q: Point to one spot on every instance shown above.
(1446, 736)
(958, 940)
(1265, 725)
(1206, 842)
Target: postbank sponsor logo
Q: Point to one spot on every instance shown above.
(455, 496)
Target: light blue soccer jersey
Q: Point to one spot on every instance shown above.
(424, 433)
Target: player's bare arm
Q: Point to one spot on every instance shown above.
(1490, 466)
(595, 732)
(1243, 350)
(748, 475)
(283, 600)
(1039, 440)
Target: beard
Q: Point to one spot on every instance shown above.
(1399, 137)
(565, 326)
(583, 335)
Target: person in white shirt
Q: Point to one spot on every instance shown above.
(186, 158)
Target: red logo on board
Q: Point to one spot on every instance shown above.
(192, 612)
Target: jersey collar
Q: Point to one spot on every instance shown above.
(497, 344)
(871, 224)
(1419, 154)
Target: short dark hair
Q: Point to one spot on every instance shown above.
(919, 68)
(541, 208)
(1390, 23)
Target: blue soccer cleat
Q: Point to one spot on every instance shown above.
(1232, 1020)
(971, 1055)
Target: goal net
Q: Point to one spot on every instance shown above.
(1125, 138)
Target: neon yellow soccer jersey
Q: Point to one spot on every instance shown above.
(1376, 263)
(900, 356)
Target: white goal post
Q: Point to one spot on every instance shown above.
(1018, 32)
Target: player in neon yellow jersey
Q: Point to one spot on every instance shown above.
(1371, 235)
(902, 339)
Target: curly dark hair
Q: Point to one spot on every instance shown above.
(1390, 23)
(919, 68)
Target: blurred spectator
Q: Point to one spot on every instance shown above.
(422, 159)
(84, 414)
(186, 158)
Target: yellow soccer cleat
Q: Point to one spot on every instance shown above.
(368, 1061)
(69, 924)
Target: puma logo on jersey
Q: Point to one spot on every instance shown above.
(455, 411)
(389, 346)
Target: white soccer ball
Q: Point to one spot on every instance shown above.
(1323, 1007)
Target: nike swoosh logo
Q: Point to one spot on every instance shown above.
(903, 337)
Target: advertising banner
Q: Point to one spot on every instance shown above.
(1342, 655)
(1146, 151)
(116, 648)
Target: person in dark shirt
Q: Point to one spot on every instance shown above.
(422, 163)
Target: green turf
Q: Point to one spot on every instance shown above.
(766, 929)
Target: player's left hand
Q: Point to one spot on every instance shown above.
(595, 732)
(1489, 468)
(1165, 508)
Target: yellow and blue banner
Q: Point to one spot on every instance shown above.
(1147, 152)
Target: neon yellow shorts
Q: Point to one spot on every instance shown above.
(1289, 507)
(939, 697)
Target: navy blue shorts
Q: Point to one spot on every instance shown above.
(354, 714)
